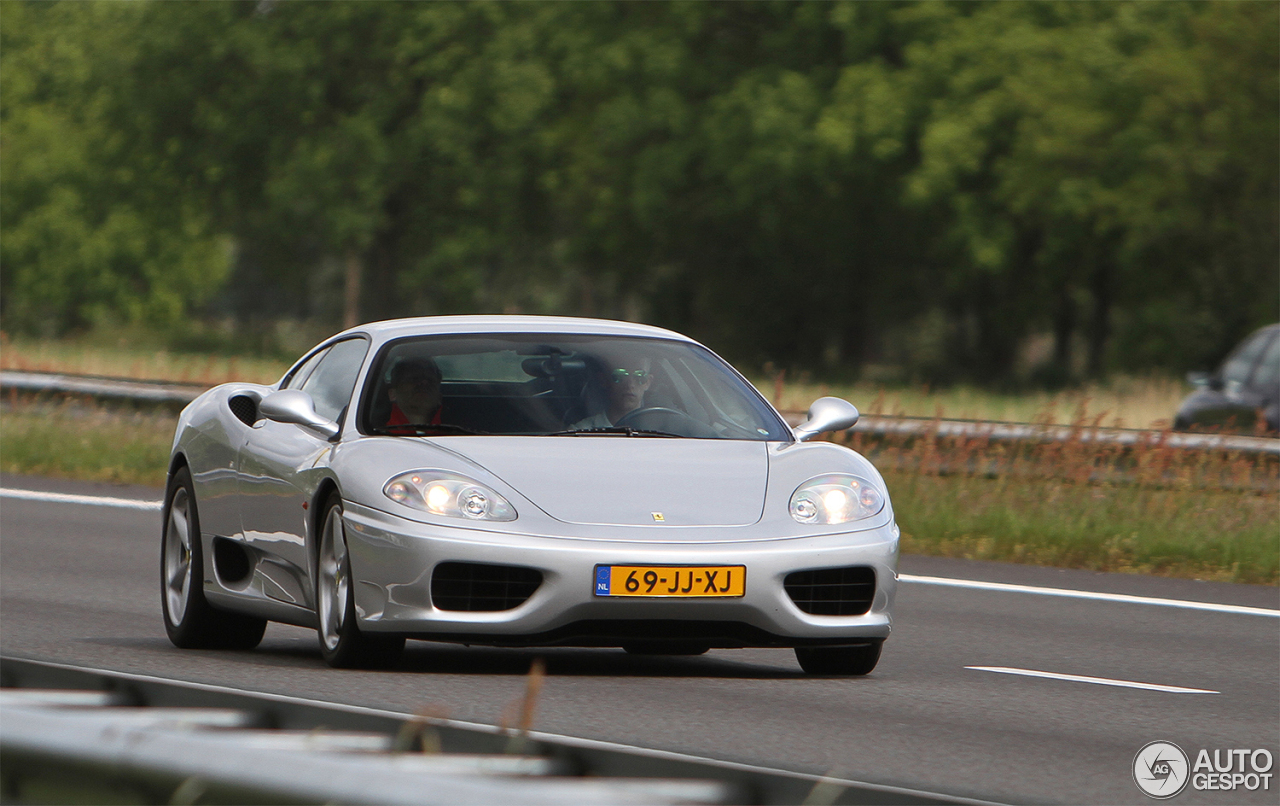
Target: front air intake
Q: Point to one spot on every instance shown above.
(480, 587)
(832, 591)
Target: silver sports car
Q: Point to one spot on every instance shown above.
(523, 481)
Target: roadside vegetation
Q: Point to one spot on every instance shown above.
(1121, 401)
(78, 440)
(1150, 510)
(140, 356)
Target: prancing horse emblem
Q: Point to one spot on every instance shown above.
(657, 516)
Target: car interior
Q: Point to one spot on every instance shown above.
(546, 389)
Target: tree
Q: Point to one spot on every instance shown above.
(92, 233)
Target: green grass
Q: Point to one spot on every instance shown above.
(1230, 536)
(86, 442)
(1151, 516)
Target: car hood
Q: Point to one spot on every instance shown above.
(630, 481)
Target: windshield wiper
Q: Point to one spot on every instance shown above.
(422, 430)
(613, 429)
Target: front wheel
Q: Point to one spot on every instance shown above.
(342, 643)
(855, 660)
(189, 619)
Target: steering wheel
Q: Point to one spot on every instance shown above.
(665, 419)
(635, 414)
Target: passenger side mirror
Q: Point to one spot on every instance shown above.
(827, 414)
(1206, 380)
(296, 406)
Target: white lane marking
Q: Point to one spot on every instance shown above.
(90, 500)
(1101, 681)
(155, 506)
(1101, 597)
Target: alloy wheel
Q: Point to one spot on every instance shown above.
(177, 557)
(333, 587)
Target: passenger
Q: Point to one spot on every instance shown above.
(625, 383)
(414, 392)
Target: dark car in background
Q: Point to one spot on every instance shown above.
(1243, 394)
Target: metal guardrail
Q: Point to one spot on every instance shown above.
(907, 427)
(871, 425)
(76, 735)
(101, 387)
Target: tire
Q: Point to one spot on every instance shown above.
(189, 619)
(342, 643)
(854, 660)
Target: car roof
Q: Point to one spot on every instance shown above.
(440, 325)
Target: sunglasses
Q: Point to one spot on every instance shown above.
(619, 375)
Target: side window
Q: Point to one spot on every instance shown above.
(332, 381)
(1267, 376)
(1240, 364)
(300, 376)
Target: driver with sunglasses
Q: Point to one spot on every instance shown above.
(625, 383)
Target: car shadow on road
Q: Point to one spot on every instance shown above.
(424, 657)
(445, 659)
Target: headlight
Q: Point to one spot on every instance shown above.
(450, 495)
(835, 499)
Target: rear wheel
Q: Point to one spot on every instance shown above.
(342, 643)
(857, 660)
(188, 618)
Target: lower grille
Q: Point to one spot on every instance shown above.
(480, 587)
(832, 591)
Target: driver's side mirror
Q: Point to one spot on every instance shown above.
(296, 406)
(827, 414)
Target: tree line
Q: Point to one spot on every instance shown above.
(825, 185)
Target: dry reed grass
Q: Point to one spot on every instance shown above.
(140, 363)
(1121, 402)
(1077, 503)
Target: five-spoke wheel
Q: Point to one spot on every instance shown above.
(188, 618)
(341, 641)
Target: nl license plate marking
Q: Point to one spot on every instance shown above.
(671, 581)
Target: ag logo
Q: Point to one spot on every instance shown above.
(1161, 770)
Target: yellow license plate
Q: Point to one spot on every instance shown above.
(671, 581)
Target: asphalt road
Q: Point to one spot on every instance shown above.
(79, 585)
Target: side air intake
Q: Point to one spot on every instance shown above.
(244, 408)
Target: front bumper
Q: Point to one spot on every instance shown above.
(392, 560)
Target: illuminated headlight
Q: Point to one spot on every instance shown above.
(450, 495)
(835, 499)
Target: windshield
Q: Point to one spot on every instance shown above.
(559, 385)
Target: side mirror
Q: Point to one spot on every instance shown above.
(827, 414)
(1206, 380)
(296, 406)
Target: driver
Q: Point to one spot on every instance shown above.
(415, 392)
(625, 382)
